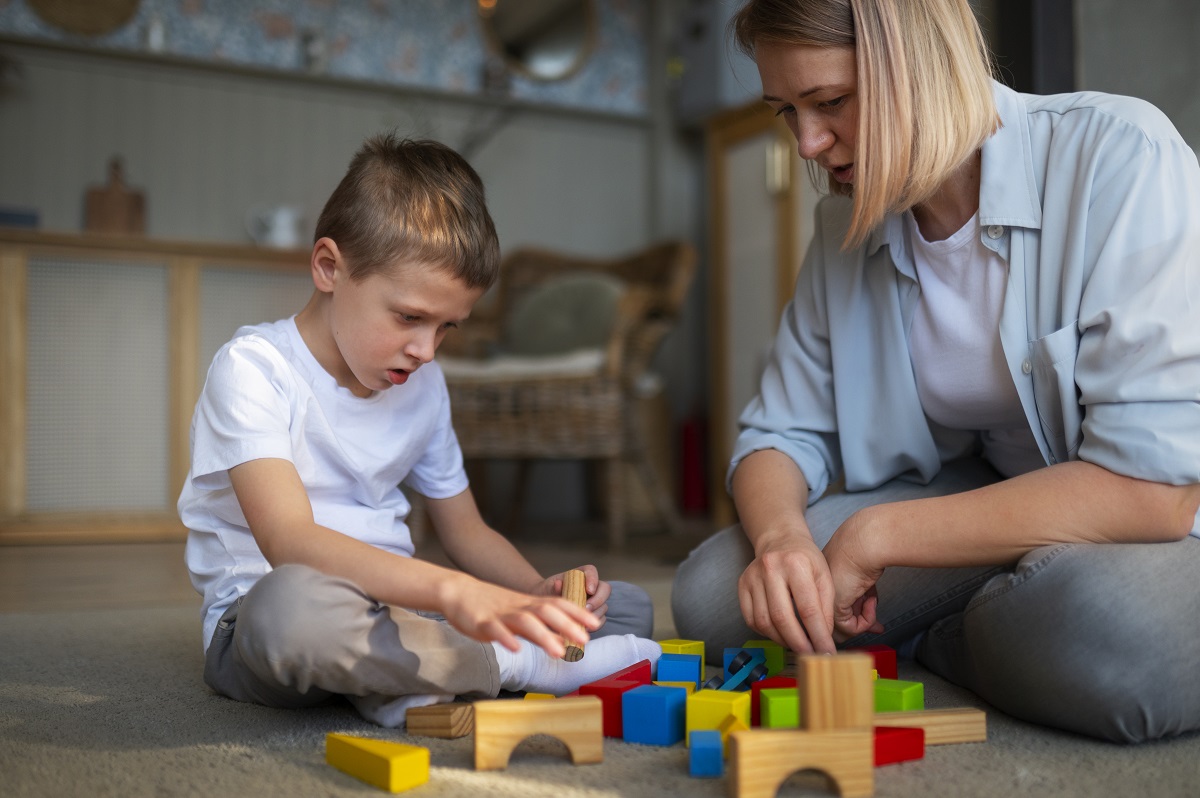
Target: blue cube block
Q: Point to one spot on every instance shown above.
(757, 656)
(654, 715)
(706, 754)
(680, 668)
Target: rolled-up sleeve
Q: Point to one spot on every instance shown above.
(1138, 365)
(794, 411)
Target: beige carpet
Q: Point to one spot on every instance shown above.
(111, 703)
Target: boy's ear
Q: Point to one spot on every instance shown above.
(326, 262)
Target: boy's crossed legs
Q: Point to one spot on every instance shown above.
(299, 637)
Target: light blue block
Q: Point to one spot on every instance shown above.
(654, 714)
(680, 668)
(706, 754)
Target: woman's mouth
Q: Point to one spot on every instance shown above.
(843, 174)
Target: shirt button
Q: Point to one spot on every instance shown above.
(1026, 367)
(994, 231)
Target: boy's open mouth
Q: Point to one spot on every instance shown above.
(398, 376)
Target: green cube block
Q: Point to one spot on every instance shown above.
(896, 695)
(779, 707)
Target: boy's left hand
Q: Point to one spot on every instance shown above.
(597, 591)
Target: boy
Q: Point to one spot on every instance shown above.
(300, 438)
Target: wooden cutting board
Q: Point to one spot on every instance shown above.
(115, 208)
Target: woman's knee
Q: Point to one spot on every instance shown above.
(704, 596)
(1092, 638)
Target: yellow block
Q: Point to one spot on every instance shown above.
(708, 709)
(689, 686)
(728, 727)
(538, 696)
(677, 646)
(386, 765)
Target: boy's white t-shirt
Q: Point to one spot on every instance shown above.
(266, 396)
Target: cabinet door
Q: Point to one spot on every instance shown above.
(760, 210)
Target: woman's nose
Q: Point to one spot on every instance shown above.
(812, 140)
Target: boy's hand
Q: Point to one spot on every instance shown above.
(487, 612)
(597, 591)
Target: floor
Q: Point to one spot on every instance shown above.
(123, 575)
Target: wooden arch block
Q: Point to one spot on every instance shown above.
(501, 725)
(761, 759)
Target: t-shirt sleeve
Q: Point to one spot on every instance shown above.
(243, 413)
(439, 474)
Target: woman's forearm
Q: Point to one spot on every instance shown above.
(771, 496)
(1074, 502)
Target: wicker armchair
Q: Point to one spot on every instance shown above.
(576, 405)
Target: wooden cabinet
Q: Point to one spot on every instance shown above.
(761, 204)
(105, 344)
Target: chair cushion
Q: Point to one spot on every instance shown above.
(506, 368)
(563, 314)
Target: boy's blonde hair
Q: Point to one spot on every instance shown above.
(925, 100)
(416, 201)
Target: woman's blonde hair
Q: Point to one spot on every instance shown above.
(925, 100)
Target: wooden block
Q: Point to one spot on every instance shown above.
(835, 692)
(501, 725)
(448, 721)
(573, 590)
(942, 726)
(898, 744)
(761, 759)
(387, 765)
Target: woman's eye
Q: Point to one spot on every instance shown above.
(834, 103)
(787, 109)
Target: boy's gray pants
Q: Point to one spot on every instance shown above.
(1099, 639)
(300, 637)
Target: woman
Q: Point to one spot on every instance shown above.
(993, 341)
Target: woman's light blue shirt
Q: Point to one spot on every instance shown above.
(1094, 202)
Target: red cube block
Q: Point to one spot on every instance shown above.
(898, 744)
(885, 660)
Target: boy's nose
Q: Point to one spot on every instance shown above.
(422, 347)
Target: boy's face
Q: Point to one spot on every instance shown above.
(388, 325)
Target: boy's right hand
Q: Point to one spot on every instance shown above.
(487, 613)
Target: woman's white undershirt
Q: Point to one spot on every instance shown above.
(962, 376)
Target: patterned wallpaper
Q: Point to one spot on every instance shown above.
(427, 44)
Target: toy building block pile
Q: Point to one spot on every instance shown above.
(768, 715)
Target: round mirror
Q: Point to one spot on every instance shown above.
(541, 39)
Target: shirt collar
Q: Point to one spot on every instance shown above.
(1003, 200)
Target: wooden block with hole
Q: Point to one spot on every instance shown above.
(447, 721)
(836, 692)
(501, 725)
(942, 726)
(760, 760)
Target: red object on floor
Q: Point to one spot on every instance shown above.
(693, 468)
(610, 692)
(769, 682)
(898, 744)
(885, 660)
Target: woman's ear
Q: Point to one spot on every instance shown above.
(326, 262)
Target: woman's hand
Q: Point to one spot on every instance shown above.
(487, 613)
(854, 575)
(597, 591)
(787, 593)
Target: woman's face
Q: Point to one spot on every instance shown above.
(814, 89)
